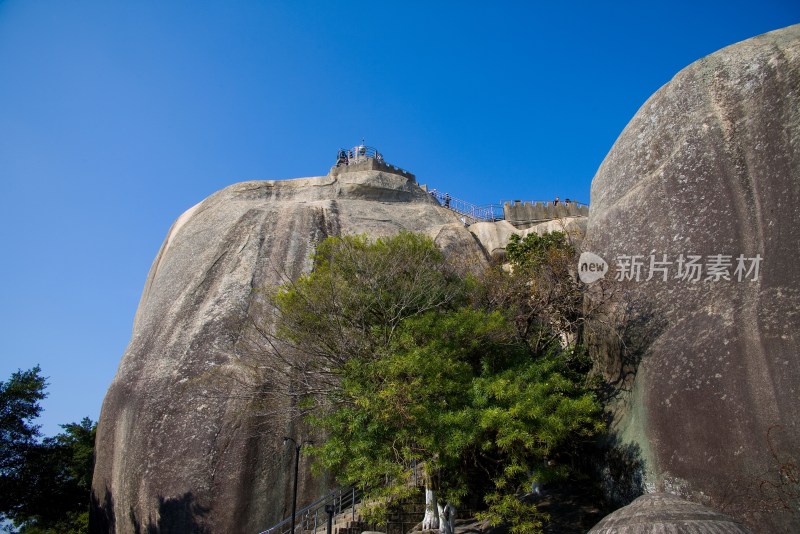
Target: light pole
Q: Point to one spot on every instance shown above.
(297, 447)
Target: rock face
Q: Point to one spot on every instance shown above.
(494, 236)
(710, 166)
(662, 513)
(176, 454)
(185, 442)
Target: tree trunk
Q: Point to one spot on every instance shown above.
(447, 519)
(431, 519)
(438, 515)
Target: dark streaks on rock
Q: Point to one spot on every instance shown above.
(711, 165)
(176, 449)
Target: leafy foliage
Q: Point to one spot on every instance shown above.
(359, 292)
(540, 293)
(412, 406)
(529, 412)
(431, 372)
(353, 303)
(535, 250)
(44, 483)
(19, 406)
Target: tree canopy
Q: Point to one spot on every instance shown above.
(19, 406)
(429, 373)
(44, 482)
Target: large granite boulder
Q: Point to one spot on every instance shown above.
(708, 362)
(184, 443)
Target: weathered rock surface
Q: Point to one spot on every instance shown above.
(710, 165)
(662, 513)
(175, 455)
(494, 236)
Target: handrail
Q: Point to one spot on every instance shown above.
(356, 154)
(488, 213)
(497, 212)
(565, 202)
(342, 499)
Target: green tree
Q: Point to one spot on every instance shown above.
(535, 250)
(540, 292)
(424, 369)
(44, 483)
(353, 303)
(19, 407)
(411, 407)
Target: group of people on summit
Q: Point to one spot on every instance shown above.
(344, 157)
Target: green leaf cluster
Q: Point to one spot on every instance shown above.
(535, 250)
(359, 292)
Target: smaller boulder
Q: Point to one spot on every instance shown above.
(662, 513)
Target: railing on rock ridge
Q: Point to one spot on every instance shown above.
(472, 212)
(491, 213)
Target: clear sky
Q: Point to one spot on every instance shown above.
(115, 117)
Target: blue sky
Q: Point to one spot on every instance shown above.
(115, 117)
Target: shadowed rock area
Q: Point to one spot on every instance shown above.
(176, 454)
(709, 369)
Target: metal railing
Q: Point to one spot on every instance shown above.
(356, 154)
(494, 212)
(472, 212)
(564, 202)
(314, 515)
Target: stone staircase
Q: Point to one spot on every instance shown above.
(349, 521)
(402, 518)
